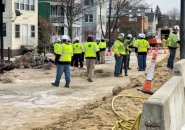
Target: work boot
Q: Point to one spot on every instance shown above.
(126, 74)
(129, 68)
(90, 80)
(55, 85)
(118, 75)
(67, 85)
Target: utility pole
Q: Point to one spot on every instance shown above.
(109, 20)
(2, 9)
(182, 30)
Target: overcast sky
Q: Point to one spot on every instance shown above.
(165, 5)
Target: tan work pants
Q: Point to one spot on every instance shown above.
(102, 57)
(90, 64)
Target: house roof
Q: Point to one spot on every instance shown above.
(150, 16)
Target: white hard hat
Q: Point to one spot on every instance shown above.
(64, 37)
(129, 35)
(176, 27)
(58, 40)
(122, 34)
(142, 35)
(76, 39)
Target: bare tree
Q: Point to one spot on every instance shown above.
(117, 8)
(44, 31)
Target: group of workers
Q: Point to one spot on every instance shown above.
(67, 54)
(122, 50)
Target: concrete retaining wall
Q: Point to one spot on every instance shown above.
(165, 110)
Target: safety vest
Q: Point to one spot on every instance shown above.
(119, 47)
(90, 49)
(78, 48)
(102, 45)
(56, 45)
(66, 52)
(172, 40)
(142, 45)
(128, 43)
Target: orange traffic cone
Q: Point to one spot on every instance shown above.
(147, 88)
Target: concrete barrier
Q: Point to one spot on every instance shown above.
(165, 109)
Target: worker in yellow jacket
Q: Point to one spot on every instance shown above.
(64, 53)
(119, 51)
(77, 51)
(102, 46)
(173, 41)
(90, 49)
(142, 45)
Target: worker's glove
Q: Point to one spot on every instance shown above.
(118, 55)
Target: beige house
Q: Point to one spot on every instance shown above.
(21, 30)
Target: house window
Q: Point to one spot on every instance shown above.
(17, 31)
(17, 6)
(21, 4)
(26, 4)
(53, 10)
(32, 31)
(4, 29)
(32, 5)
(88, 17)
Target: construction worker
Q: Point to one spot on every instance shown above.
(102, 46)
(77, 51)
(142, 45)
(64, 53)
(135, 44)
(129, 45)
(90, 48)
(98, 52)
(173, 41)
(119, 50)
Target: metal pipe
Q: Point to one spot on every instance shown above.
(1, 29)
(182, 30)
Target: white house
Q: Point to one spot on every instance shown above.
(22, 30)
(91, 23)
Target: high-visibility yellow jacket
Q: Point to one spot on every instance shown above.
(78, 48)
(56, 46)
(65, 51)
(172, 40)
(119, 47)
(102, 45)
(90, 49)
(142, 45)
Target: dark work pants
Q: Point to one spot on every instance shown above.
(72, 61)
(77, 59)
(98, 56)
(125, 64)
(171, 58)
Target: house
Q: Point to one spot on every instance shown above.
(133, 25)
(53, 11)
(152, 21)
(20, 30)
(91, 23)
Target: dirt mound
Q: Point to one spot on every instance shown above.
(98, 73)
(29, 60)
